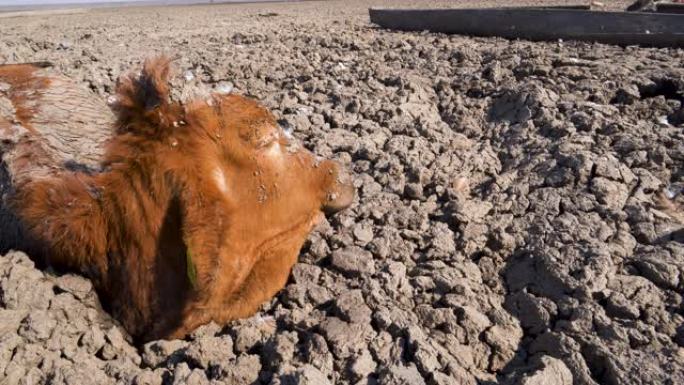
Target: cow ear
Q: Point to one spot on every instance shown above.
(142, 103)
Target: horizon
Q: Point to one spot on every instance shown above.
(57, 2)
(48, 3)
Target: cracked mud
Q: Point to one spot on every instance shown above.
(507, 228)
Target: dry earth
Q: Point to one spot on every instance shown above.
(505, 231)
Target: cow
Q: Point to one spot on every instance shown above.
(180, 212)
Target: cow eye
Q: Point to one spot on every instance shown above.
(286, 127)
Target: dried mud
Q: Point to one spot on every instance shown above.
(507, 228)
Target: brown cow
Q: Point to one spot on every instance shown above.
(197, 214)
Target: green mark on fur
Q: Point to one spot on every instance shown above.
(191, 270)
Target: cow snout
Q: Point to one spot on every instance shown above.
(341, 191)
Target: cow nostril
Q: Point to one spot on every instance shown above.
(339, 199)
(338, 189)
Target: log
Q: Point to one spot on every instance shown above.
(47, 123)
(537, 24)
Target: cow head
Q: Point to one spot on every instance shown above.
(247, 191)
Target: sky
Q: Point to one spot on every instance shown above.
(23, 4)
(32, 2)
(27, 2)
(15, 3)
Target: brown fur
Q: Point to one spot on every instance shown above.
(24, 85)
(131, 227)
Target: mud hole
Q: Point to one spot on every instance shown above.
(506, 229)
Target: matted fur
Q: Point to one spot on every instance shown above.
(198, 215)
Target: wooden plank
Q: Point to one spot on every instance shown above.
(677, 8)
(621, 28)
(581, 6)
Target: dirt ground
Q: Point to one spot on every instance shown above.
(505, 230)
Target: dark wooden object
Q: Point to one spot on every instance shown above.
(620, 28)
(677, 8)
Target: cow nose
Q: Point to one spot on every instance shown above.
(341, 192)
